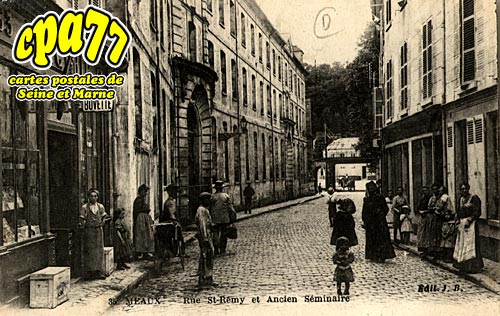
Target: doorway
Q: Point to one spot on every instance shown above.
(63, 198)
(193, 159)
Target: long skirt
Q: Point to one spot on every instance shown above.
(378, 241)
(205, 262)
(143, 233)
(343, 226)
(475, 264)
(429, 232)
(93, 249)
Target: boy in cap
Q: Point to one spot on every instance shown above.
(204, 235)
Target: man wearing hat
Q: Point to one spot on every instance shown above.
(223, 214)
(169, 207)
(204, 235)
(248, 193)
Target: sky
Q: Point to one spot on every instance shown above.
(326, 30)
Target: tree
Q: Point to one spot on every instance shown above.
(341, 95)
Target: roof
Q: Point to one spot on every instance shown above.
(343, 143)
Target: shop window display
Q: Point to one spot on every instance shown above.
(20, 167)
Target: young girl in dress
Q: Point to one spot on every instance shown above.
(122, 246)
(406, 225)
(343, 259)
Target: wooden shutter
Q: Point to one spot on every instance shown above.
(476, 159)
(450, 160)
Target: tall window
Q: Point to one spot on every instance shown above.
(252, 39)
(211, 59)
(268, 55)
(154, 105)
(280, 102)
(404, 76)
(388, 11)
(20, 166)
(254, 94)
(274, 104)
(279, 68)
(290, 80)
(223, 80)
(221, 12)
(245, 88)
(153, 15)
(255, 156)
(468, 41)
(232, 12)
(283, 160)
(276, 160)
(388, 89)
(268, 93)
(271, 161)
(286, 74)
(226, 154)
(243, 31)
(247, 162)
(209, 5)
(264, 162)
(260, 47)
(427, 60)
(236, 155)
(261, 98)
(274, 63)
(137, 94)
(192, 41)
(234, 79)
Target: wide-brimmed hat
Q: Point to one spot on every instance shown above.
(219, 184)
(342, 241)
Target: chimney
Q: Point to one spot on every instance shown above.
(298, 53)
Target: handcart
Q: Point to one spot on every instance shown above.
(169, 243)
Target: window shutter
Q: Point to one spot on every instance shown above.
(450, 136)
(470, 132)
(478, 130)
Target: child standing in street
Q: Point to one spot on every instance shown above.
(343, 259)
(122, 246)
(406, 224)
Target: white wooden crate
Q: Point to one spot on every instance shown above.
(49, 287)
(109, 262)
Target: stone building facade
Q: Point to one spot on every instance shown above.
(232, 68)
(440, 110)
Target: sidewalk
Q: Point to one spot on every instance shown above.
(97, 296)
(489, 277)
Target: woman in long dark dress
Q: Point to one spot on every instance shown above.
(378, 241)
(467, 245)
(143, 229)
(343, 223)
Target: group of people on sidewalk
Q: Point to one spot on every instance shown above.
(442, 232)
(214, 220)
(449, 234)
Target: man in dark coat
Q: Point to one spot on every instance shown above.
(378, 242)
(248, 193)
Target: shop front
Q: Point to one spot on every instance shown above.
(51, 152)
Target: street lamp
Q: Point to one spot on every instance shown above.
(224, 136)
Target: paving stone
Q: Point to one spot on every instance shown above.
(287, 252)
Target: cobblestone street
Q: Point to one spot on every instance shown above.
(287, 252)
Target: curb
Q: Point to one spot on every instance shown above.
(145, 275)
(470, 277)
